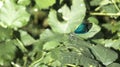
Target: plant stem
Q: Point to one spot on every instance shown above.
(35, 62)
(21, 46)
(105, 14)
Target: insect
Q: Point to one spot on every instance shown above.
(83, 27)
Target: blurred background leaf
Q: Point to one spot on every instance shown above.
(23, 2)
(44, 4)
(7, 52)
(6, 34)
(16, 14)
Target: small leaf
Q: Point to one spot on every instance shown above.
(99, 41)
(44, 4)
(47, 58)
(105, 55)
(61, 1)
(50, 45)
(93, 20)
(26, 38)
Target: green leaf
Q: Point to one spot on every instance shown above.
(65, 57)
(114, 65)
(61, 1)
(49, 35)
(12, 15)
(26, 38)
(77, 57)
(5, 33)
(72, 18)
(56, 64)
(95, 2)
(73, 53)
(7, 52)
(99, 41)
(88, 62)
(44, 36)
(82, 47)
(44, 4)
(47, 59)
(65, 12)
(76, 42)
(109, 9)
(93, 20)
(50, 45)
(112, 27)
(23, 2)
(113, 43)
(69, 58)
(99, 2)
(105, 55)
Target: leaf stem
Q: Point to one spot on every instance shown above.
(71, 65)
(105, 14)
(35, 62)
(21, 46)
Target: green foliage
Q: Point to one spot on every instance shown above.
(112, 27)
(109, 8)
(44, 4)
(16, 14)
(23, 2)
(5, 34)
(114, 65)
(95, 2)
(26, 38)
(105, 55)
(72, 17)
(7, 52)
(40, 33)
